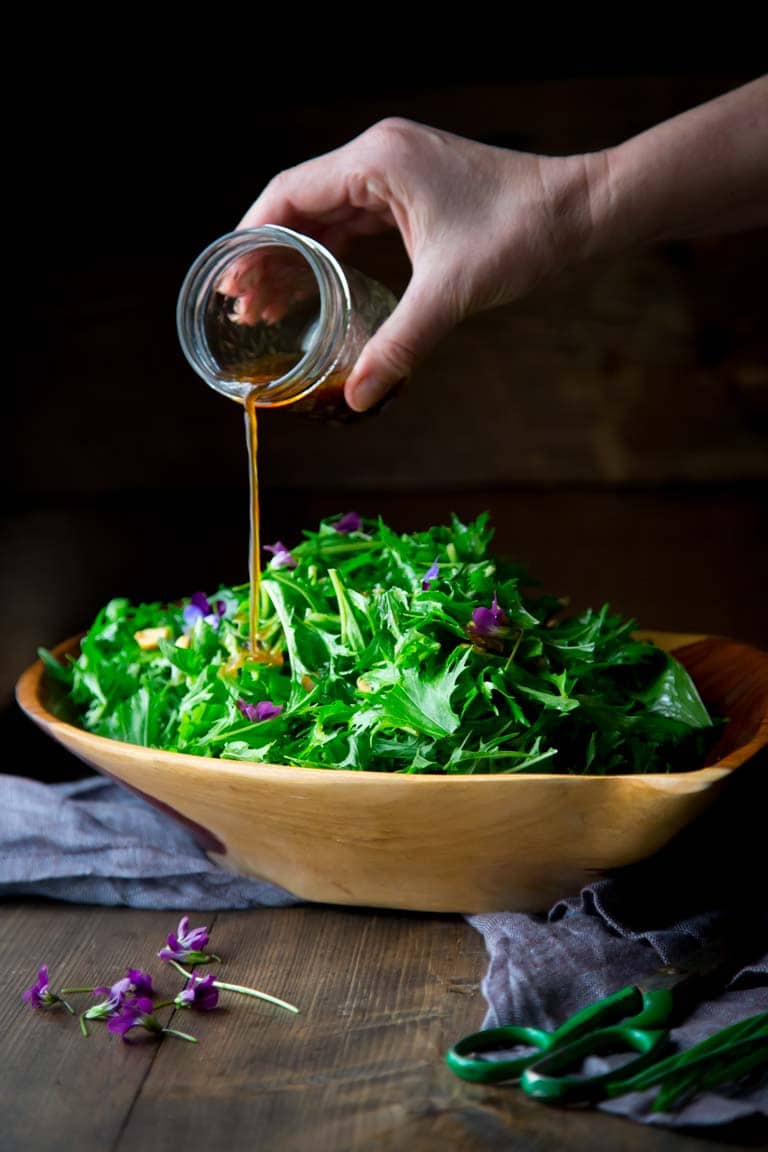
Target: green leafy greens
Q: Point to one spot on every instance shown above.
(389, 652)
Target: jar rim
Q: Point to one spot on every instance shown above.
(316, 363)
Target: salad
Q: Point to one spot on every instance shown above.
(389, 652)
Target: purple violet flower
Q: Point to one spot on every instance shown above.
(186, 945)
(200, 608)
(264, 710)
(431, 574)
(200, 993)
(281, 557)
(351, 522)
(40, 994)
(135, 983)
(138, 1014)
(141, 981)
(491, 621)
(233, 988)
(112, 999)
(134, 1014)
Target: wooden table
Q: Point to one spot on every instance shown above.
(382, 994)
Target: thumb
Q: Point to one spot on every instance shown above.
(417, 324)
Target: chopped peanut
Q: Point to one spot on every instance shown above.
(149, 638)
(183, 641)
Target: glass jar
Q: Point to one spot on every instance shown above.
(272, 311)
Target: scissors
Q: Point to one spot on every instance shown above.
(634, 1020)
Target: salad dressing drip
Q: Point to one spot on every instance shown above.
(324, 401)
(254, 558)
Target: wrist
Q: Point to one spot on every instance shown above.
(593, 213)
(580, 209)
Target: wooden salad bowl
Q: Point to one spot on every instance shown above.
(432, 843)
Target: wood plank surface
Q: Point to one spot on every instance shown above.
(381, 995)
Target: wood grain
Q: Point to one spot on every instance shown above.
(59, 1090)
(361, 1069)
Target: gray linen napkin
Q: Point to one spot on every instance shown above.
(94, 842)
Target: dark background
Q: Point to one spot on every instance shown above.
(615, 422)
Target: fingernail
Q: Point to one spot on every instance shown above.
(368, 392)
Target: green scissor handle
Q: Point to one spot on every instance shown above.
(720, 1059)
(465, 1058)
(544, 1080)
(462, 1058)
(643, 1033)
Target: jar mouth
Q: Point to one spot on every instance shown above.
(264, 310)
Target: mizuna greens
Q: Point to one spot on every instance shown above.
(392, 653)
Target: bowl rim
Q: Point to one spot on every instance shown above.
(28, 696)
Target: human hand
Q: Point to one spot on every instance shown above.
(481, 226)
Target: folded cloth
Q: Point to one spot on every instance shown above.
(94, 842)
(705, 889)
(542, 969)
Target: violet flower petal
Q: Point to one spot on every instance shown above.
(141, 981)
(248, 710)
(483, 621)
(431, 574)
(190, 616)
(38, 994)
(134, 1014)
(264, 710)
(196, 939)
(500, 615)
(114, 997)
(200, 608)
(281, 556)
(184, 943)
(490, 621)
(350, 522)
(172, 951)
(200, 601)
(111, 999)
(200, 993)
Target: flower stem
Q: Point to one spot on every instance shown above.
(84, 1026)
(163, 1004)
(68, 1007)
(256, 993)
(181, 1035)
(64, 991)
(240, 988)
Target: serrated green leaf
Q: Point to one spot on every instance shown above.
(374, 672)
(424, 704)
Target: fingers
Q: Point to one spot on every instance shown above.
(419, 322)
(265, 283)
(332, 197)
(392, 176)
(316, 191)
